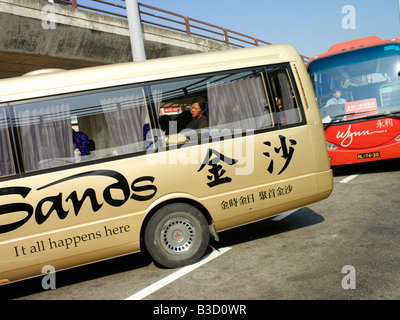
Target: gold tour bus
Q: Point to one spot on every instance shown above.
(159, 155)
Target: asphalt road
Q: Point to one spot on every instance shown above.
(345, 247)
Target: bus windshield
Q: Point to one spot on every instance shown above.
(358, 84)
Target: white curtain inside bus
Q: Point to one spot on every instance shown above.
(6, 164)
(242, 104)
(125, 118)
(46, 135)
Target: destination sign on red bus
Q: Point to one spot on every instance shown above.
(361, 108)
(170, 110)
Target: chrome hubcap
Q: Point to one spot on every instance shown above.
(178, 235)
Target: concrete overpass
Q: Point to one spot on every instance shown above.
(35, 34)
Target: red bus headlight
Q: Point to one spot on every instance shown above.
(332, 146)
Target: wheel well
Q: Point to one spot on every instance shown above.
(195, 204)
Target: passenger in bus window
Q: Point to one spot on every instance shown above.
(81, 141)
(336, 99)
(199, 115)
(282, 116)
(164, 123)
(183, 119)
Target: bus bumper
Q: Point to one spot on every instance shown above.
(345, 156)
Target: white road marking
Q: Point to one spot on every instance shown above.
(345, 180)
(284, 215)
(176, 275)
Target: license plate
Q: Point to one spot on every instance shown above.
(368, 155)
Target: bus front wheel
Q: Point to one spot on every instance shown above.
(177, 235)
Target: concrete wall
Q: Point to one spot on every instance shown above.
(31, 39)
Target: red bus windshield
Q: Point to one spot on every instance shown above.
(358, 94)
(357, 84)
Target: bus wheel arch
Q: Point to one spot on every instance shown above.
(177, 232)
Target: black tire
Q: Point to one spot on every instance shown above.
(177, 235)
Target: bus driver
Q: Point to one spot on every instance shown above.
(336, 99)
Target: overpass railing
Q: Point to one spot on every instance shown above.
(169, 20)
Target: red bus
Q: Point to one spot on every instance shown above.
(357, 85)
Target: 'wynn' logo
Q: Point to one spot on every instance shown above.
(348, 135)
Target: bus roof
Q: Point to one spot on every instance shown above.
(60, 82)
(352, 45)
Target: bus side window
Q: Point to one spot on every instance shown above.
(235, 100)
(45, 134)
(112, 119)
(172, 100)
(6, 161)
(286, 106)
(239, 101)
(125, 113)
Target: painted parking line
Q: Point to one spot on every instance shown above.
(349, 178)
(176, 275)
(284, 215)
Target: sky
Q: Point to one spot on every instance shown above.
(312, 26)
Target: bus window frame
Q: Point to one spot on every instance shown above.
(295, 87)
(12, 147)
(269, 96)
(17, 142)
